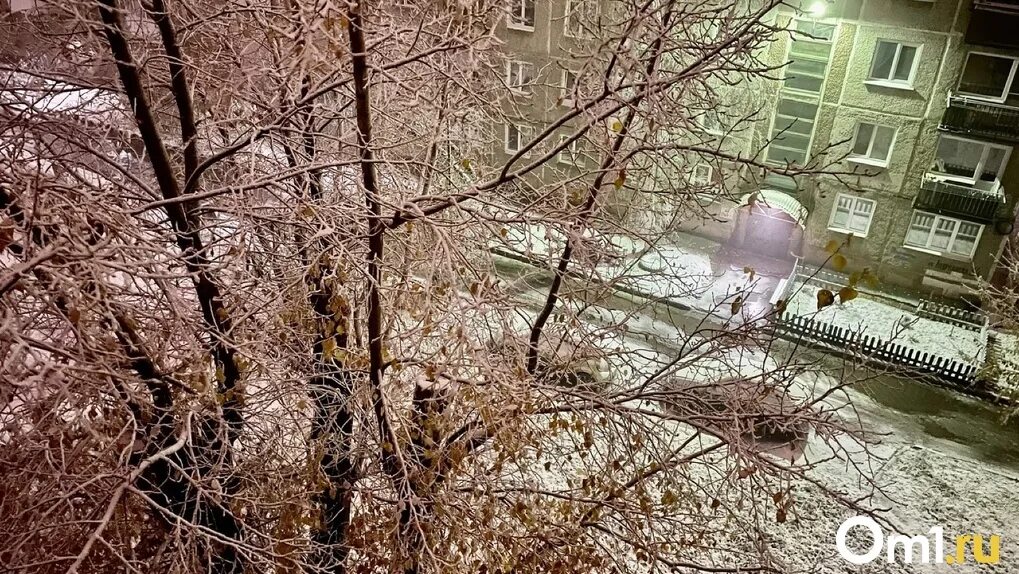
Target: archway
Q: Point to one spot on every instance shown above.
(770, 223)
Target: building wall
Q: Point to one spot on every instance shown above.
(915, 113)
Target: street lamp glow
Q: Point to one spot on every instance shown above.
(818, 9)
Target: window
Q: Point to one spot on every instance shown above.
(580, 16)
(987, 77)
(872, 144)
(944, 235)
(709, 122)
(792, 126)
(970, 161)
(521, 15)
(894, 63)
(569, 88)
(519, 76)
(852, 215)
(571, 153)
(516, 137)
(701, 175)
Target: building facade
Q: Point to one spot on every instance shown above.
(912, 106)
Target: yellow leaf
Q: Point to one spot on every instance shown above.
(750, 271)
(824, 298)
(619, 181)
(869, 278)
(847, 294)
(466, 163)
(617, 126)
(832, 246)
(838, 262)
(328, 346)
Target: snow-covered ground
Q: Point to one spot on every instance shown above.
(890, 323)
(668, 272)
(928, 480)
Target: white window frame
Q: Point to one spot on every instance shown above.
(570, 155)
(867, 158)
(705, 177)
(980, 165)
(889, 82)
(983, 97)
(519, 67)
(703, 123)
(523, 133)
(570, 8)
(566, 98)
(801, 96)
(947, 251)
(856, 201)
(521, 13)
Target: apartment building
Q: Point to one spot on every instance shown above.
(914, 105)
(911, 104)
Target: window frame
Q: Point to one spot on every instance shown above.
(856, 200)
(980, 164)
(947, 251)
(522, 88)
(521, 13)
(891, 82)
(1008, 84)
(693, 179)
(523, 132)
(568, 10)
(573, 155)
(867, 158)
(566, 92)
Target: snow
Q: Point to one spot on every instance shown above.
(26, 93)
(869, 316)
(662, 272)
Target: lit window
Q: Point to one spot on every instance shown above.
(516, 137)
(852, 215)
(943, 235)
(701, 175)
(987, 77)
(581, 16)
(970, 161)
(872, 144)
(569, 88)
(521, 16)
(519, 76)
(571, 153)
(894, 63)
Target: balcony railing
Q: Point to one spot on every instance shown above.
(943, 197)
(993, 23)
(982, 119)
(1009, 6)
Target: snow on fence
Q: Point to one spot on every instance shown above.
(961, 375)
(965, 318)
(970, 319)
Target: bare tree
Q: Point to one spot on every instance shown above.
(253, 322)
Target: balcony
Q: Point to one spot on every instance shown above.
(980, 202)
(993, 23)
(982, 119)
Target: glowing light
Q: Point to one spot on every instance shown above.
(818, 9)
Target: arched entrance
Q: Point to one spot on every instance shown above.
(770, 223)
